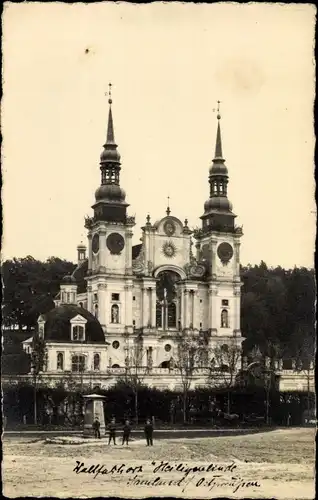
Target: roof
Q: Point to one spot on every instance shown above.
(79, 274)
(57, 326)
(136, 250)
(14, 359)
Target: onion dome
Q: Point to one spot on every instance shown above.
(220, 203)
(68, 280)
(58, 326)
(109, 193)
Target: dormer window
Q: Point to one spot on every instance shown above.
(78, 332)
(78, 328)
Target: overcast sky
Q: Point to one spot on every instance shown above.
(169, 64)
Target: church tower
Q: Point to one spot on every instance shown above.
(218, 245)
(109, 281)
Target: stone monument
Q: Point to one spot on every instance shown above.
(94, 407)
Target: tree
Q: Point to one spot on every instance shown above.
(304, 357)
(135, 372)
(224, 366)
(29, 287)
(190, 353)
(38, 362)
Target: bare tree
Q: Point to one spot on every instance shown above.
(38, 358)
(190, 352)
(304, 364)
(135, 369)
(224, 366)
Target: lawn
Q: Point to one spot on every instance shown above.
(276, 464)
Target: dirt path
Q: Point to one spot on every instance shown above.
(37, 469)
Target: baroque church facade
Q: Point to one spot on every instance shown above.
(131, 305)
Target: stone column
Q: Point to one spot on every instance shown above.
(102, 249)
(237, 309)
(94, 407)
(145, 306)
(90, 252)
(196, 310)
(102, 303)
(128, 255)
(89, 299)
(128, 305)
(153, 307)
(186, 308)
(214, 242)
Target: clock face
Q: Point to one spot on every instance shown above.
(95, 243)
(115, 243)
(169, 228)
(225, 252)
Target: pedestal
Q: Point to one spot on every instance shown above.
(94, 407)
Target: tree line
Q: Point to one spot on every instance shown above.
(277, 306)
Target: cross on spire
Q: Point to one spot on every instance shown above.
(168, 207)
(109, 93)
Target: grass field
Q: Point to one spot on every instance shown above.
(276, 464)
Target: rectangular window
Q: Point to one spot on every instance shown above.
(225, 302)
(115, 296)
(95, 297)
(78, 363)
(78, 333)
(134, 298)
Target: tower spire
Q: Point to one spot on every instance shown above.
(110, 127)
(218, 145)
(110, 197)
(218, 213)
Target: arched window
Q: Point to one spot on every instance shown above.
(224, 319)
(158, 314)
(41, 331)
(96, 310)
(224, 368)
(78, 332)
(172, 315)
(81, 304)
(60, 361)
(215, 187)
(225, 348)
(96, 361)
(78, 363)
(115, 313)
(115, 366)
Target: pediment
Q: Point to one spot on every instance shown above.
(78, 319)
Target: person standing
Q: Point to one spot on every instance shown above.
(112, 431)
(149, 432)
(126, 432)
(96, 428)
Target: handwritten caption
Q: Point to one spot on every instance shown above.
(156, 474)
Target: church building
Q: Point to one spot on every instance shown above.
(132, 305)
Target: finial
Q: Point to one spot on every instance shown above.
(168, 211)
(148, 219)
(186, 222)
(218, 115)
(110, 93)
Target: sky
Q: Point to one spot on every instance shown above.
(169, 64)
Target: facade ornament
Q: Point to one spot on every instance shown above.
(102, 286)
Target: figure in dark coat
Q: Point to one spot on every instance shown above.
(112, 431)
(149, 432)
(126, 432)
(96, 428)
